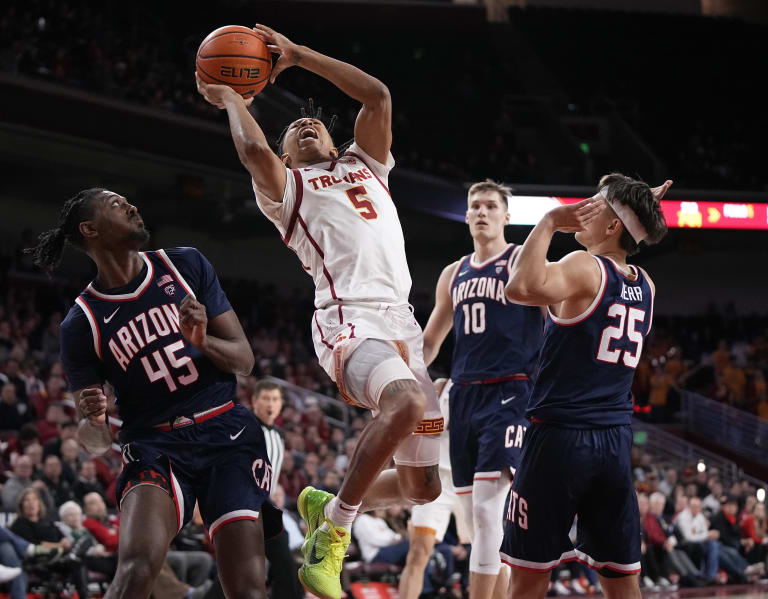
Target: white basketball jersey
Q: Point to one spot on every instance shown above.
(445, 454)
(340, 220)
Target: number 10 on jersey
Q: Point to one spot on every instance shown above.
(474, 318)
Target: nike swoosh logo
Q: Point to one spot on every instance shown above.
(506, 401)
(463, 272)
(106, 320)
(235, 436)
(313, 559)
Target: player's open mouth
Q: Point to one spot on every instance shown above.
(307, 133)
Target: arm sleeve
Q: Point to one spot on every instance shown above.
(279, 213)
(199, 274)
(78, 356)
(381, 170)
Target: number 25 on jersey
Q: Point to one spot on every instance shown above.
(633, 318)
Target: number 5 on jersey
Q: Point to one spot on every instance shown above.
(363, 206)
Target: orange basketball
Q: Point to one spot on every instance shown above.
(235, 56)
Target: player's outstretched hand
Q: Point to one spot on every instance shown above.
(658, 192)
(278, 44)
(215, 94)
(193, 321)
(93, 405)
(572, 218)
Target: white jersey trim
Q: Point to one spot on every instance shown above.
(653, 296)
(92, 322)
(187, 287)
(591, 308)
(474, 264)
(568, 556)
(232, 517)
(121, 297)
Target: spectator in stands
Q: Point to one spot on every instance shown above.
(33, 525)
(331, 481)
(291, 479)
(13, 551)
(698, 541)
(711, 502)
(313, 416)
(669, 483)
(678, 565)
(34, 451)
(103, 527)
(67, 430)
(377, 541)
(57, 485)
(730, 542)
(50, 427)
(13, 374)
(13, 413)
(93, 554)
(87, 481)
(21, 480)
(70, 460)
(342, 460)
(753, 526)
(311, 465)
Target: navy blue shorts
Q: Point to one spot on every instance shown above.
(486, 428)
(222, 463)
(568, 472)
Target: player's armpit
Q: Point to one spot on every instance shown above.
(441, 319)
(574, 276)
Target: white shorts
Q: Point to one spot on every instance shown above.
(339, 331)
(433, 518)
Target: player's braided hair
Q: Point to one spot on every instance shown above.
(638, 196)
(46, 255)
(310, 112)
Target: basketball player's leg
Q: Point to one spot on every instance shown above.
(541, 508)
(240, 557)
(419, 552)
(148, 523)
(608, 527)
(488, 497)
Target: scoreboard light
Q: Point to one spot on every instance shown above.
(528, 210)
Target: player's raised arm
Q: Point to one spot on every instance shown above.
(441, 319)
(373, 128)
(93, 432)
(266, 170)
(536, 282)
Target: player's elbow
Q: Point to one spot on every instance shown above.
(254, 153)
(248, 361)
(378, 96)
(518, 291)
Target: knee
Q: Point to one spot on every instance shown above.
(426, 490)
(139, 568)
(404, 404)
(418, 556)
(8, 556)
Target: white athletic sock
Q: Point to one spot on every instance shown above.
(340, 513)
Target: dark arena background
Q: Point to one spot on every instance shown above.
(545, 95)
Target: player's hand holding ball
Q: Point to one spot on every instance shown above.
(93, 406)
(216, 94)
(278, 44)
(193, 321)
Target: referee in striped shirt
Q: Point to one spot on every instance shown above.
(266, 404)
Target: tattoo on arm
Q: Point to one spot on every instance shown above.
(430, 474)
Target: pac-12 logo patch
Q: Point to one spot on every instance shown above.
(500, 264)
(170, 290)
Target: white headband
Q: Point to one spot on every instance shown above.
(627, 217)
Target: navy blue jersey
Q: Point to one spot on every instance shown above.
(130, 336)
(588, 362)
(492, 336)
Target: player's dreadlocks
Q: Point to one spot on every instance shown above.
(310, 112)
(46, 255)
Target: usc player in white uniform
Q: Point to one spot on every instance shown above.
(336, 213)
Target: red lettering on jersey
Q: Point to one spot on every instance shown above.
(335, 179)
(366, 173)
(325, 180)
(313, 181)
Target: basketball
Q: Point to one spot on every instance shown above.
(237, 57)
